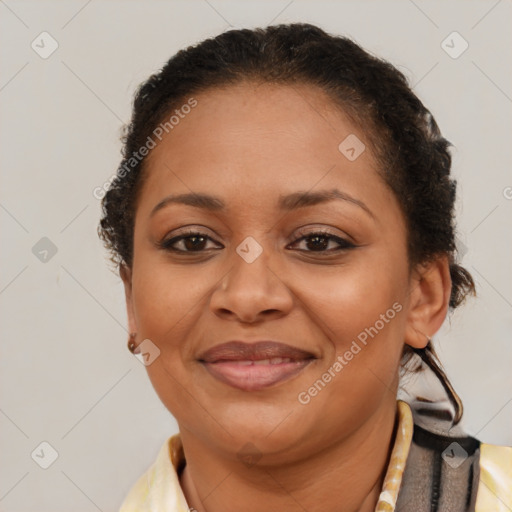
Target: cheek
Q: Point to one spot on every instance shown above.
(166, 297)
(364, 316)
(362, 312)
(350, 301)
(170, 305)
(167, 302)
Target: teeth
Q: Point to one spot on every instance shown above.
(274, 360)
(279, 360)
(262, 361)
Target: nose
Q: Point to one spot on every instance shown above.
(252, 291)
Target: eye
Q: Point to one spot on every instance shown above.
(322, 241)
(191, 241)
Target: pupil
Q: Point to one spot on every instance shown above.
(316, 244)
(192, 245)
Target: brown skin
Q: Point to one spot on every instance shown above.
(249, 144)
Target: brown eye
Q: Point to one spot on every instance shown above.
(190, 242)
(317, 242)
(194, 243)
(323, 242)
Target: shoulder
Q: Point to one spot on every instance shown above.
(495, 486)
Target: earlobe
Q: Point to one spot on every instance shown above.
(126, 275)
(430, 295)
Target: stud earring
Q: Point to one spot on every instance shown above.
(131, 342)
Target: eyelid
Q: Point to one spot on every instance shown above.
(190, 230)
(315, 230)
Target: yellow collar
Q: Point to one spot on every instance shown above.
(396, 467)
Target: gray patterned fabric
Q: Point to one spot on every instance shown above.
(443, 465)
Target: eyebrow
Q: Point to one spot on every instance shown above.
(303, 199)
(288, 202)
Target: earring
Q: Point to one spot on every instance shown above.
(131, 342)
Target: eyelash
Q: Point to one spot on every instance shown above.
(344, 244)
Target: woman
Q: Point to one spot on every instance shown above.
(283, 224)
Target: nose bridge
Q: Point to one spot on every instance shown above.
(251, 265)
(250, 250)
(251, 286)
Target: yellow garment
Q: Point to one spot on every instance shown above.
(393, 478)
(495, 487)
(159, 490)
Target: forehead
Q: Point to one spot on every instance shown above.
(251, 117)
(252, 142)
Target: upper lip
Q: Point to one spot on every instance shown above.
(253, 351)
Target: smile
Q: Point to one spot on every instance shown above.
(255, 366)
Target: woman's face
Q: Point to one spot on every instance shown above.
(340, 301)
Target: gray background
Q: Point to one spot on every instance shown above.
(66, 375)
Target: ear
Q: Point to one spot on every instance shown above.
(430, 291)
(126, 275)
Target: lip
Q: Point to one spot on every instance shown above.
(256, 365)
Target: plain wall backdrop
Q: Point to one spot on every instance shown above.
(67, 378)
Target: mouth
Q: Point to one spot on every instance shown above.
(255, 366)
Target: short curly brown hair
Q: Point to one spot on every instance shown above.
(413, 156)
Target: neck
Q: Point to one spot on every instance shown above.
(346, 475)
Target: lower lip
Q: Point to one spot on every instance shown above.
(255, 376)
